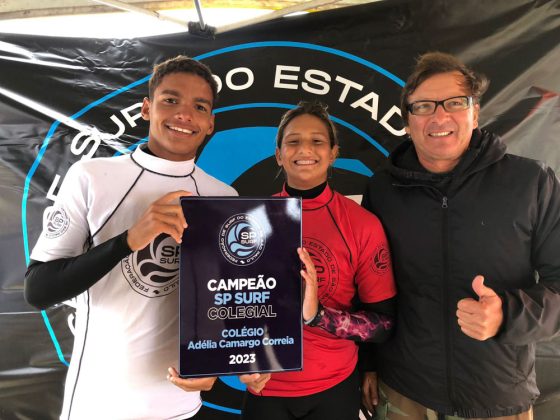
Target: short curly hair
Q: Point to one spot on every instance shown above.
(182, 64)
(432, 63)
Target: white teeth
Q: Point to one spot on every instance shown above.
(305, 162)
(182, 130)
(440, 134)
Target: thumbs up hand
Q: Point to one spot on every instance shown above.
(480, 319)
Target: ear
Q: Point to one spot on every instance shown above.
(476, 110)
(146, 109)
(211, 128)
(334, 154)
(407, 129)
(278, 157)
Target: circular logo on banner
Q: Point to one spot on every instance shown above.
(154, 270)
(241, 239)
(258, 82)
(57, 223)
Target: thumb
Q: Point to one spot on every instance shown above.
(480, 289)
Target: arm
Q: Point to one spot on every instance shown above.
(533, 313)
(372, 324)
(48, 283)
(64, 278)
(365, 325)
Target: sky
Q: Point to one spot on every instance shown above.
(123, 24)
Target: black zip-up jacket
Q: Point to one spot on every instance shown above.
(497, 215)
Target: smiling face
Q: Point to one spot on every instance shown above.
(180, 115)
(305, 152)
(441, 139)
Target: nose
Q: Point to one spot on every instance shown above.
(184, 113)
(440, 112)
(305, 146)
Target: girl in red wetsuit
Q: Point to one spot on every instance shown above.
(346, 255)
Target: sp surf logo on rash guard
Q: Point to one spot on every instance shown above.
(56, 223)
(154, 270)
(241, 239)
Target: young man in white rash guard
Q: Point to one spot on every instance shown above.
(111, 241)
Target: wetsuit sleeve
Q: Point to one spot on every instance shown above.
(374, 323)
(532, 314)
(48, 283)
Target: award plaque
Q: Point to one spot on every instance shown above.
(240, 286)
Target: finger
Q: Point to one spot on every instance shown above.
(473, 333)
(367, 400)
(164, 223)
(264, 378)
(309, 279)
(173, 210)
(471, 321)
(374, 397)
(246, 378)
(307, 261)
(172, 196)
(469, 305)
(480, 289)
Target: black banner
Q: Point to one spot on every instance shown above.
(66, 99)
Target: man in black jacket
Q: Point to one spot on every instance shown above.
(475, 239)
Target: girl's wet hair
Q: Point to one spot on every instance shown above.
(315, 108)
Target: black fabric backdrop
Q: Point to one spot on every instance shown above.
(64, 99)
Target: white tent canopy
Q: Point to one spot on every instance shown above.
(207, 16)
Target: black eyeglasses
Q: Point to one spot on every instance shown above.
(454, 104)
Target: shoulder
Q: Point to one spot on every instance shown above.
(358, 215)
(103, 164)
(208, 185)
(98, 170)
(523, 169)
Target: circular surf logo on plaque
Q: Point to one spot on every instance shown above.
(241, 239)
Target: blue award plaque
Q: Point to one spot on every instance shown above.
(240, 287)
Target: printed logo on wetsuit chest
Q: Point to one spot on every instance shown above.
(381, 260)
(56, 223)
(326, 267)
(154, 270)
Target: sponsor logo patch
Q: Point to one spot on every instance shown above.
(381, 260)
(56, 224)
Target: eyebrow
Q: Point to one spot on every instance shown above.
(203, 100)
(170, 92)
(177, 93)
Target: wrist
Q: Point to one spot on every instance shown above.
(313, 322)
